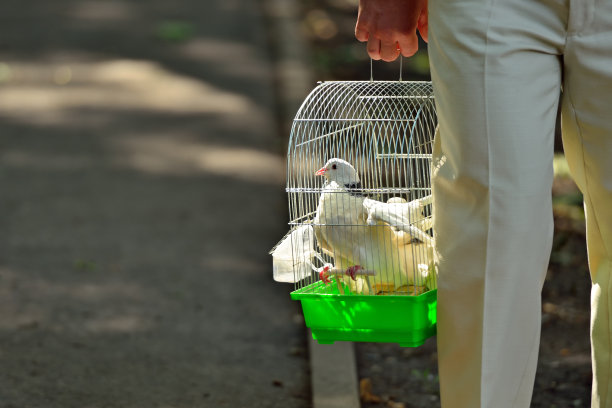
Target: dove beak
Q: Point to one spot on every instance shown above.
(321, 171)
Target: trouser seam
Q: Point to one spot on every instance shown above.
(587, 198)
(488, 133)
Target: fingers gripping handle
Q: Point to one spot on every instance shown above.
(401, 68)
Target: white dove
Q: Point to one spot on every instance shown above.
(359, 239)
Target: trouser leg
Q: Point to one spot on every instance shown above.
(496, 78)
(587, 139)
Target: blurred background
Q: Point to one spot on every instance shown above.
(329, 27)
(142, 184)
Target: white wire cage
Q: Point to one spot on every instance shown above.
(359, 190)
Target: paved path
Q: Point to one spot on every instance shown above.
(141, 186)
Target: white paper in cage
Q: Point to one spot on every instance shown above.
(292, 258)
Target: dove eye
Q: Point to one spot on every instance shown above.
(334, 167)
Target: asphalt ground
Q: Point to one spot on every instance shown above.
(141, 186)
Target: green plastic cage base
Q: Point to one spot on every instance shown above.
(402, 319)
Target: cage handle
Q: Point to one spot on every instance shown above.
(401, 63)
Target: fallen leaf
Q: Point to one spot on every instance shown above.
(365, 391)
(549, 308)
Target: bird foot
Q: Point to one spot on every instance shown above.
(352, 271)
(324, 276)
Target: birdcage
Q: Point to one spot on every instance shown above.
(360, 247)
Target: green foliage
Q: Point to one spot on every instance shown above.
(560, 166)
(175, 31)
(570, 199)
(430, 382)
(84, 265)
(418, 63)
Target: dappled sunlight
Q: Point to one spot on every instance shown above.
(50, 94)
(26, 302)
(118, 323)
(103, 11)
(181, 156)
(224, 263)
(142, 173)
(27, 159)
(245, 63)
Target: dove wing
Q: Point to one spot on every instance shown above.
(406, 217)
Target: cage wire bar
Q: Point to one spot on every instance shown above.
(385, 130)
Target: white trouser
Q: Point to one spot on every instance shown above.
(498, 67)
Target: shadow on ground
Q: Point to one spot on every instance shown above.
(141, 190)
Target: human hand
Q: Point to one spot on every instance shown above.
(389, 27)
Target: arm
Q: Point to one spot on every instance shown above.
(389, 27)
